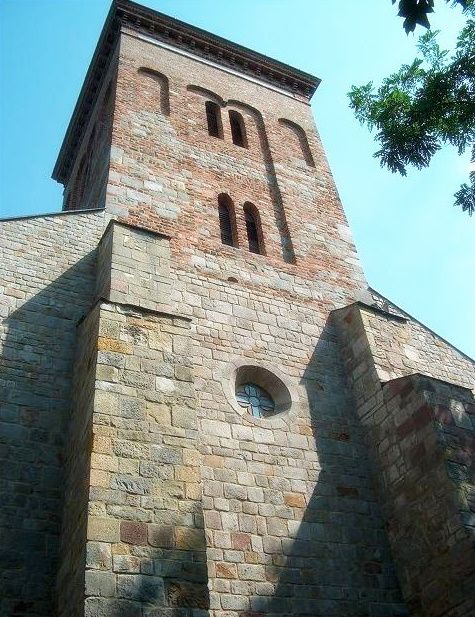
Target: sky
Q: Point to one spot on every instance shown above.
(416, 248)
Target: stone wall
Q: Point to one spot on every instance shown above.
(47, 280)
(166, 173)
(134, 267)
(290, 517)
(404, 346)
(145, 536)
(425, 447)
(291, 524)
(85, 187)
(421, 433)
(69, 596)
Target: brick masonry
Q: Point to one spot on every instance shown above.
(122, 331)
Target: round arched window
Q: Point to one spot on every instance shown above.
(255, 399)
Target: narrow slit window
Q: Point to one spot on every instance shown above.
(227, 224)
(253, 228)
(238, 129)
(213, 117)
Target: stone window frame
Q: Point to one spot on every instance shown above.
(257, 371)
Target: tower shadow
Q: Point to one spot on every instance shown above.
(338, 563)
(38, 341)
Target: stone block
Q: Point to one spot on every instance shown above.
(100, 584)
(251, 572)
(103, 529)
(161, 536)
(189, 539)
(126, 564)
(133, 532)
(226, 570)
(140, 588)
(294, 500)
(98, 556)
(216, 428)
(184, 417)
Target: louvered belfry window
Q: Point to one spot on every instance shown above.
(225, 225)
(226, 219)
(252, 229)
(213, 117)
(238, 131)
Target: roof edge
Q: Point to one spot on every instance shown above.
(88, 95)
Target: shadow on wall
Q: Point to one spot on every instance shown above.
(338, 561)
(35, 380)
(288, 252)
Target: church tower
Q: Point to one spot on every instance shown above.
(238, 425)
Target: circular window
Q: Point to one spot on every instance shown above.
(255, 399)
(262, 394)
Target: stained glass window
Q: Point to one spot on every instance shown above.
(255, 399)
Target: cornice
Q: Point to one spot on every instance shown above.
(126, 14)
(87, 97)
(211, 47)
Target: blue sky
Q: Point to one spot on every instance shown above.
(416, 248)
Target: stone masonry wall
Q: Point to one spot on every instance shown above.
(421, 433)
(134, 267)
(145, 536)
(166, 173)
(85, 188)
(69, 594)
(271, 503)
(426, 446)
(404, 346)
(47, 280)
(194, 507)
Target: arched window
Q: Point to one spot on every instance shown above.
(227, 221)
(213, 117)
(301, 141)
(238, 129)
(160, 90)
(253, 228)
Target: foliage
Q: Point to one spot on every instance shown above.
(415, 12)
(425, 104)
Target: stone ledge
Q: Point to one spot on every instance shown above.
(133, 307)
(133, 226)
(43, 215)
(418, 377)
(373, 309)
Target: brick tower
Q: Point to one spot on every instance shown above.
(208, 411)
